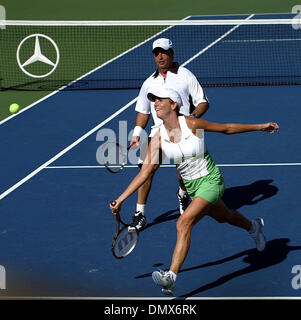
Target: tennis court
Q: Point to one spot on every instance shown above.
(56, 226)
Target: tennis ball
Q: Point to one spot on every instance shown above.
(14, 108)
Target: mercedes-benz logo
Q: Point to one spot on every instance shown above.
(38, 56)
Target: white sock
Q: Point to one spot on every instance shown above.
(140, 207)
(181, 192)
(173, 275)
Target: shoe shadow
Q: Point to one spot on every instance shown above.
(234, 198)
(237, 197)
(167, 216)
(276, 251)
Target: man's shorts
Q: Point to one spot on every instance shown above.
(210, 187)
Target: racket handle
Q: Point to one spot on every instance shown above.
(132, 145)
(116, 214)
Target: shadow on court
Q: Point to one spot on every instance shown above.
(167, 216)
(237, 197)
(275, 252)
(234, 198)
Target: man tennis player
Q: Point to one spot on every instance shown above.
(168, 74)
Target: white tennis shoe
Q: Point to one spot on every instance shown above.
(257, 234)
(165, 280)
(139, 222)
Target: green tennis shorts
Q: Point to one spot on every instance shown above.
(210, 187)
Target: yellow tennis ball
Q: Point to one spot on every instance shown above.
(14, 108)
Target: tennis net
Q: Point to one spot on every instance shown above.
(79, 55)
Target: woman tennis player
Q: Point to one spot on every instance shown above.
(181, 139)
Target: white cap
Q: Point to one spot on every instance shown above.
(163, 93)
(162, 43)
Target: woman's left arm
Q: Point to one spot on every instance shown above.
(230, 128)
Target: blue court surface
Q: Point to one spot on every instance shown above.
(56, 228)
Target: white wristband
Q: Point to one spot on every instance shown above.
(137, 131)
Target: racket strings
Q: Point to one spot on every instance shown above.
(124, 243)
(114, 156)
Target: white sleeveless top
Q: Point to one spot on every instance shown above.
(189, 153)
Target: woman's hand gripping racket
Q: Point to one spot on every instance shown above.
(124, 241)
(114, 156)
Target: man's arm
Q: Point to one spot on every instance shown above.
(198, 97)
(141, 122)
(200, 109)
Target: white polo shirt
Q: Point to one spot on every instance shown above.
(180, 79)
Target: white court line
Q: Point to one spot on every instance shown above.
(216, 41)
(273, 298)
(261, 40)
(28, 107)
(47, 163)
(260, 164)
(173, 165)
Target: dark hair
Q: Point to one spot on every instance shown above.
(169, 51)
(177, 109)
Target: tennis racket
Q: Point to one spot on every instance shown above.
(113, 156)
(124, 241)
